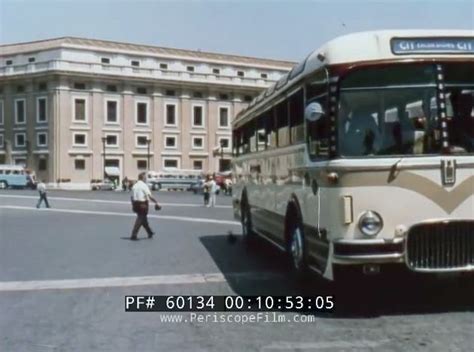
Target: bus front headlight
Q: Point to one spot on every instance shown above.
(370, 223)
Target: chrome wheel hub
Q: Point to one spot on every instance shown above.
(297, 248)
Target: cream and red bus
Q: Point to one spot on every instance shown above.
(362, 156)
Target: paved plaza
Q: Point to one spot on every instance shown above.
(64, 273)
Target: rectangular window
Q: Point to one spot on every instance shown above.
(197, 164)
(164, 66)
(171, 115)
(79, 164)
(223, 96)
(264, 75)
(111, 140)
(296, 107)
(197, 95)
(112, 116)
(224, 117)
(240, 73)
(31, 59)
(142, 165)
(142, 109)
(142, 141)
(216, 71)
(42, 86)
(170, 163)
(80, 109)
(198, 119)
(190, 68)
(135, 63)
(80, 86)
(2, 120)
(224, 143)
(42, 139)
(80, 139)
(198, 142)
(248, 98)
(2, 141)
(20, 114)
(20, 140)
(170, 142)
(9, 62)
(111, 88)
(41, 110)
(42, 164)
(170, 93)
(20, 89)
(105, 60)
(142, 90)
(282, 124)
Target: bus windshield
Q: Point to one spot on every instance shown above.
(393, 110)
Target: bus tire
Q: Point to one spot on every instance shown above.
(3, 185)
(297, 248)
(248, 235)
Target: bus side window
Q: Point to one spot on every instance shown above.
(317, 132)
(261, 133)
(235, 143)
(282, 124)
(296, 109)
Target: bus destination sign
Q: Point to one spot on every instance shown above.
(404, 46)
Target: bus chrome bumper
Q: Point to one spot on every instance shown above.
(369, 251)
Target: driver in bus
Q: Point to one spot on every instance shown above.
(361, 133)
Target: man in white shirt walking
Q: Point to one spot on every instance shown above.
(141, 194)
(41, 187)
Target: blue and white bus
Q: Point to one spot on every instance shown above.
(14, 176)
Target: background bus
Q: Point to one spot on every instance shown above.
(13, 176)
(173, 179)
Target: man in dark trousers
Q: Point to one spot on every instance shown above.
(140, 197)
(41, 187)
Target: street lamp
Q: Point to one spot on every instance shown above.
(104, 140)
(148, 142)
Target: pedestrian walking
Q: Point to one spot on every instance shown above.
(41, 187)
(124, 183)
(213, 191)
(205, 191)
(141, 195)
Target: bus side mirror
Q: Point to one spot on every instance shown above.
(313, 112)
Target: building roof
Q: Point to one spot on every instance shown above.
(138, 49)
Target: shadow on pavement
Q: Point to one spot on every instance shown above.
(399, 292)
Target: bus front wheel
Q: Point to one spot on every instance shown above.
(296, 249)
(246, 221)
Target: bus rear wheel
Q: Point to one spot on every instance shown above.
(3, 185)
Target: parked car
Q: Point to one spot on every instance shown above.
(103, 185)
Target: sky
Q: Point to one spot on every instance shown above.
(279, 29)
